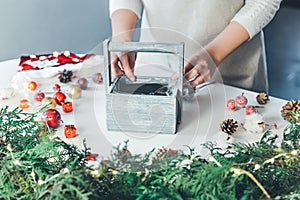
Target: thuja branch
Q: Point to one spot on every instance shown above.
(239, 171)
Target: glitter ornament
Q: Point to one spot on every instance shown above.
(74, 92)
(97, 78)
(241, 100)
(82, 83)
(230, 105)
(49, 102)
(249, 110)
(39, 96)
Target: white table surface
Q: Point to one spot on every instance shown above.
(200, 120)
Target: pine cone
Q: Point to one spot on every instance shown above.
(229, 126)
(291, 111)
(65, 76)
(163, 153)
(262, 98)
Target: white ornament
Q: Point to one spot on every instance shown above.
(222, 140)
(254, 123)
(6, 93)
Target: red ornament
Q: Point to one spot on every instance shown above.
(52, 118)
(70, 131)
(249, 110)
(241, 100)
(67, 107)
(230, 105)
(56, 87)
(91, 157)
(39, 96)
(59, 97)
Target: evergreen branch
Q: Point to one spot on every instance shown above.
(239, 171)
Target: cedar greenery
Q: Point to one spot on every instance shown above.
(37, 165)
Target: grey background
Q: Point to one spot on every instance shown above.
(40, 26)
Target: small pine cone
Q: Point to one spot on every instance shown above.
(291, 111)
(262, 98)
(164, 153)
(229, 126)
(160, 154)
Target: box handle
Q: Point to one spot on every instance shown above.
(109, 46)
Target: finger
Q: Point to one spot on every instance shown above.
(187, 67)
(192, 74)
(197, 81)
(126, 67)
(203, 77)
(132, 61)
(115, 68)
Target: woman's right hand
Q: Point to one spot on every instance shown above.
(123, 24)
(123, 63)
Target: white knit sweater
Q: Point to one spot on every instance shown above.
(197, 22)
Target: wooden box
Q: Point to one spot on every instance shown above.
(149, 104)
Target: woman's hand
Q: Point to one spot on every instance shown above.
(123, 24)
(123, 63)
(199, 68)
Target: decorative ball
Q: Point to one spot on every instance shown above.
(52, 118)
(249, 110)
(82, 83)
(97, 78)
(56, 87)
(49, 102)
(230, 105)
(39, 96)
(24, 103)
(59, 97)
(32, 85)
(74, 92)
(241, 100)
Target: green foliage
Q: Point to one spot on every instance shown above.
(37, 165)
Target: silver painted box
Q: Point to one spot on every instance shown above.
(149, 104)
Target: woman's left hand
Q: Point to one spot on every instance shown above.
(199, 68)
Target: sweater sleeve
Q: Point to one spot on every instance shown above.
(256, 14)
(133, 5)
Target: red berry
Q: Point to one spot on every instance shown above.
(32, 85)
(39, 96)
(249, 110)
(241, 100)
(56, 87)
(52, 118)
(230, 105)
(59, 97)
